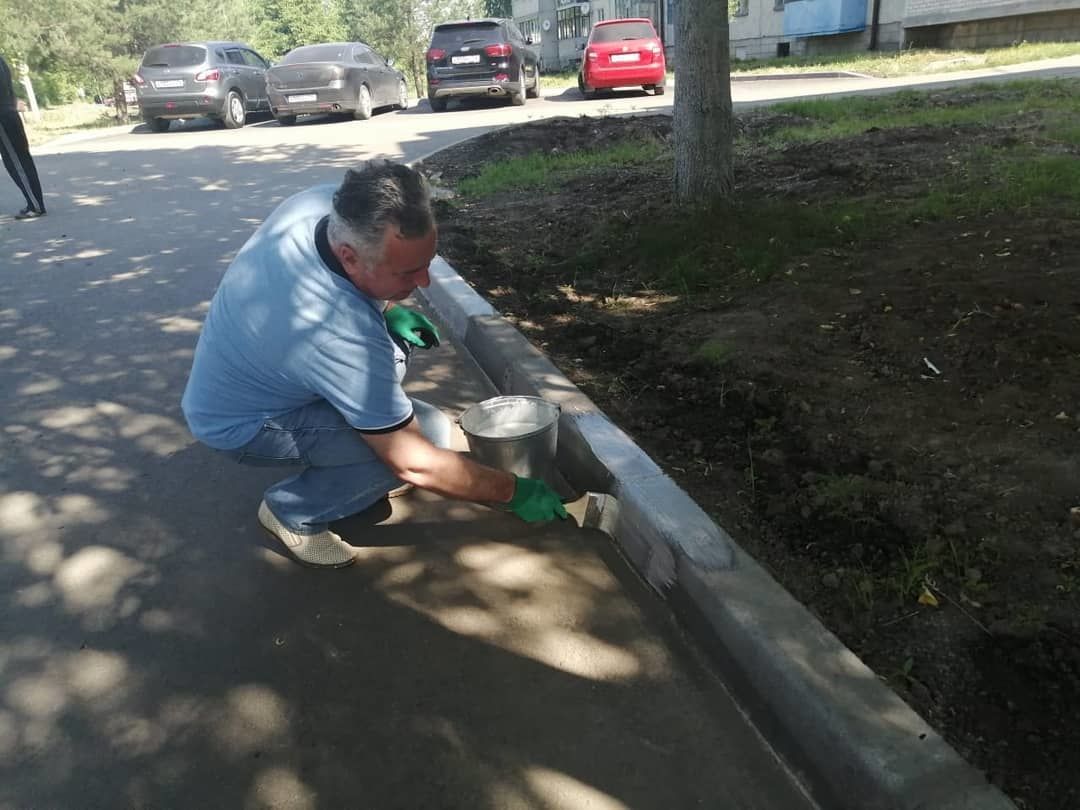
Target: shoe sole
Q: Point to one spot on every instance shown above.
(303, 562)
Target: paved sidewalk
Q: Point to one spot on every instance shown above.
(467, 661)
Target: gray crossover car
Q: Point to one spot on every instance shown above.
(337, 77)
(219, 80)
(489, 57)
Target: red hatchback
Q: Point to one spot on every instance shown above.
(622, 53)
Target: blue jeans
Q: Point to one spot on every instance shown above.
(342, 475)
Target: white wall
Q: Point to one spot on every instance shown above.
(755, 34)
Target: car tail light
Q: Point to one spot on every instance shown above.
(138, 80)
(654, 47)
(502, 77)
(591, 55)
(435, 54)
(501, 49)
(208, 75)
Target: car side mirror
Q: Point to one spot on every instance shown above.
(390, 62)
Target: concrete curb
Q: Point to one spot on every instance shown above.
(852, 739)
(774, 77)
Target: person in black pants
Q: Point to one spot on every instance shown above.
(15, 149)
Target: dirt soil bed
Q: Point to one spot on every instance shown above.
(890, 426)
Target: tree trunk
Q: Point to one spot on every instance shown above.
(418, 77)
(120, 101)
(28, 85)
(702, 125)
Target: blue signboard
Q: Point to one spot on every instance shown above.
(814, 18)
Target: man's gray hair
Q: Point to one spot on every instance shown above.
(382, 194)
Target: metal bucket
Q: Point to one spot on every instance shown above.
(515, 434)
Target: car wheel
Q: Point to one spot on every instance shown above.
(363, 104)
(235, 114)
(517, 99)
(437, 104)
(160, 124)
(286, 120)
(534, 91)
(585, 91)
(402, 96)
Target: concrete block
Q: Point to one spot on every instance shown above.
(453, 300)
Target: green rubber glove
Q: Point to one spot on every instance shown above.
(534, 501)
(412, 326)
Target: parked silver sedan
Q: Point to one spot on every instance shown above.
(337, 77)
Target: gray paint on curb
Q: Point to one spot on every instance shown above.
(855, 741)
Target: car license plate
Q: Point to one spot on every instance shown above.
(471, 59)
(303, 98)
(626, 57)
(167, 83)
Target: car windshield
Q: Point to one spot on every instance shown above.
(174, 56)
(619, 31)
(452, 36)
(316, 53)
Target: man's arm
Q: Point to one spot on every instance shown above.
(412, 458)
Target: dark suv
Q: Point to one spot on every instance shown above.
(488, 57)
(220, 80)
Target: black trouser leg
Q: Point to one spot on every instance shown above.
(17, 160)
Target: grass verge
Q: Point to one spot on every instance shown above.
(57, 121)
(913, 61)
(538, 170)
(1055, 102)
(980, 180)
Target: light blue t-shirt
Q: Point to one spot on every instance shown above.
(284, 331)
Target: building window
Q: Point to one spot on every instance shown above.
(572, 23)
(530, 28)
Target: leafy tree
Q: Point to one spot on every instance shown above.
(287, 24)
(702, 125)
(498, 8)
(220, 19)
(402, 29)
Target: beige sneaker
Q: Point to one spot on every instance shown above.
(321, 550)
(397, 492)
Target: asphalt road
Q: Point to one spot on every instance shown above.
(157, 650)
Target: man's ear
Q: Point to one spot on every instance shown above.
(350, 260)
(345, 253)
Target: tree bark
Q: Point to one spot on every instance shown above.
(120, 101)
(702, 125)
(28, 85)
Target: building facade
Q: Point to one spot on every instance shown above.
(763, 29)
(561, 26)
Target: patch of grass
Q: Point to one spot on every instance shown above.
(1065, 133)
(709, 249)
(913, 61)
(1010, 183)
(538, 170)
(57, 121)
(838, 118)
(715, 352)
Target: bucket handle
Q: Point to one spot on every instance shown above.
(558, 410)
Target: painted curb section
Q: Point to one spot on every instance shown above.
(850, 737)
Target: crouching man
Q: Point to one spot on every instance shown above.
(302, 355)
